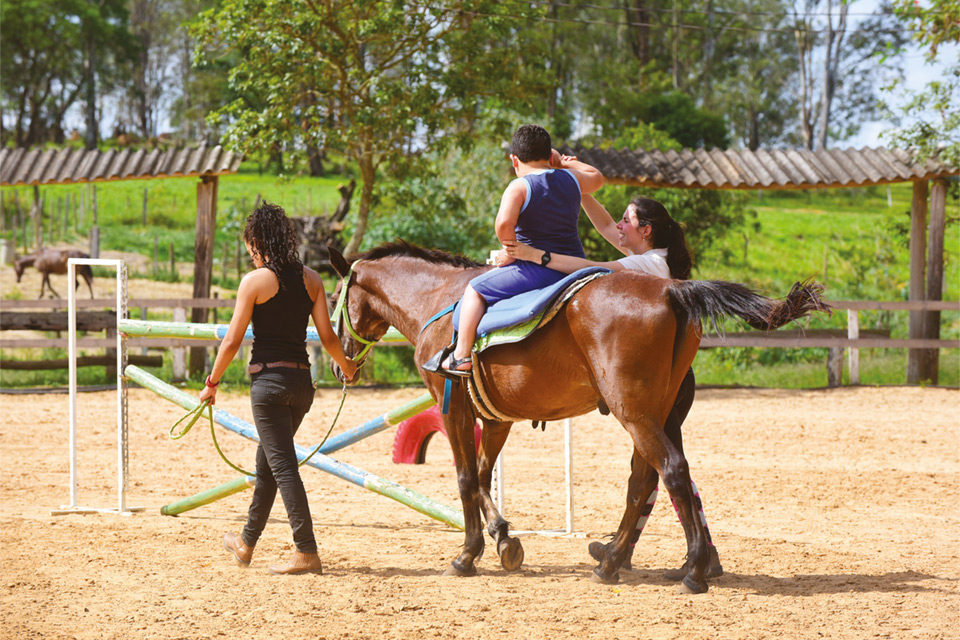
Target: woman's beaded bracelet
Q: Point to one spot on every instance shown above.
(210, 384)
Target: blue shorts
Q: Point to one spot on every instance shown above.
(515, 278)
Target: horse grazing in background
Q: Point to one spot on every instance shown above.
(49, 261)
(624, 342)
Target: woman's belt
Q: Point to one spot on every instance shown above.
(258, 367)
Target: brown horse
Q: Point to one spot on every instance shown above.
(624, 342)
(49, 261)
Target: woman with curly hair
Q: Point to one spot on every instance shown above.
(279, 296)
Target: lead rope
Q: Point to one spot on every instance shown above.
(194, 414)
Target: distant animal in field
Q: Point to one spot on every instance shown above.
(49, 261)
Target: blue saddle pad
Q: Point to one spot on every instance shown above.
(525, 306)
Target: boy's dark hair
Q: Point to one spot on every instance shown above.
(273, 235)
(531, 142)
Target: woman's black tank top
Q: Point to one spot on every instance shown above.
(280, 323)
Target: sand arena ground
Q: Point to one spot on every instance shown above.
(835, 513)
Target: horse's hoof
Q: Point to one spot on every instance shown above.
(596, 576)
(458, 570)
(511, 553)
(689, 587)
(714, 568)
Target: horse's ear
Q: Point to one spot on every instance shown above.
(338, 262)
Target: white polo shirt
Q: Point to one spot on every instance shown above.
(653, 262)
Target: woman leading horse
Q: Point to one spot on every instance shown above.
(625, 341)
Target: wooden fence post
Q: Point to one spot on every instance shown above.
(179, 353)
(94, 241)
(918, 249)
(930, 358)
(144, 214)
(203, 263)
(853, 354)
(835, 367)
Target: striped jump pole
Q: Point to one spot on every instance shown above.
(335, 443)
(344, 471)
(199, 331)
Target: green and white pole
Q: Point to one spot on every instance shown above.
(199, 331)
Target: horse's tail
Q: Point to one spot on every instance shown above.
(713, 299)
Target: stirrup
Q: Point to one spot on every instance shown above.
(454, 371)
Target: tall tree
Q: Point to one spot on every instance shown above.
(368, 79)
(838, 66)
(155, 24)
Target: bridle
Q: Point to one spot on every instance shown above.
(340, 313)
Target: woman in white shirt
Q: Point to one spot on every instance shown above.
(649, 238)
(652, 242)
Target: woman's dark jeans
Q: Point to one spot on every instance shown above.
(280, 399)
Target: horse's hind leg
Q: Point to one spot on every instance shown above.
(89, 280)
(657, 450)
(491, 443)
(643, 480)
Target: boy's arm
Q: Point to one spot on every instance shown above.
(588, 176)
(602, 221)
(510, 204)
(558, 262)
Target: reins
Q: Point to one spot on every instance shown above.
(194, 414)
(339, 314)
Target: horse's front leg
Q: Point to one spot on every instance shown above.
(491, 444)
(46, 282)
(460, 423)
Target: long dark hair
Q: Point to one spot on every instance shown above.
(273, 236)
(667, 234)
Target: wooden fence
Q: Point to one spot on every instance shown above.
(836, 340)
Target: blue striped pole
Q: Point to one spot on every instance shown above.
(369, 481)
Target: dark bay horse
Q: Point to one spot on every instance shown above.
(49, 261)
(625, 341)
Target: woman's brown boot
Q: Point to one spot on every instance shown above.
(300, 563)
(240, 550)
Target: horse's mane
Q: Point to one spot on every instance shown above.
(403, 248)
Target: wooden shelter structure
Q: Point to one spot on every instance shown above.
(38, 167)
(773, 169)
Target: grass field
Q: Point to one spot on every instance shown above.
(854, 241)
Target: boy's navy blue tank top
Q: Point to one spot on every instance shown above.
(280, 323)
(548, 218)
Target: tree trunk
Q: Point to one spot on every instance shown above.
(315, 161)
(638, 18)
(91, 83)
(831, 60)
(367, 173)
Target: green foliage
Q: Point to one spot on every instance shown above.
(368, 80)
(672, 112)
(445, 200)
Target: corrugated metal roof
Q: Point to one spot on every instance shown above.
(760, 169)
(65, 166)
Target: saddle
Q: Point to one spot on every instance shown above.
(509, 321)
